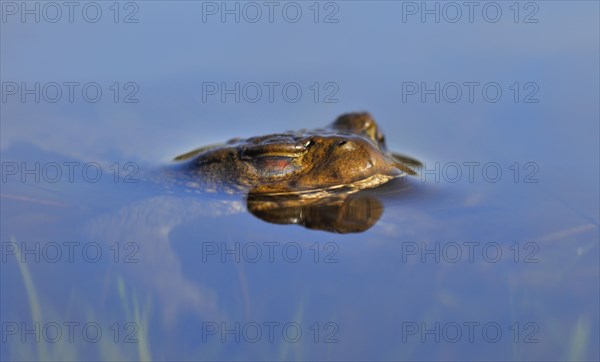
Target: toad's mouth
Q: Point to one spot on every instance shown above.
(319, 192)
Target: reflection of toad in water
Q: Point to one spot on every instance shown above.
(341, 214)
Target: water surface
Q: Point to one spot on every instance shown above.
(459, 265)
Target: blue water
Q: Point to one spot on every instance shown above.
(492, 252)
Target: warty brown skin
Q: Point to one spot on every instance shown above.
(345, 154)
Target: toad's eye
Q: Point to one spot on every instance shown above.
(308, 144)
(272, 166)
(341, 143)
